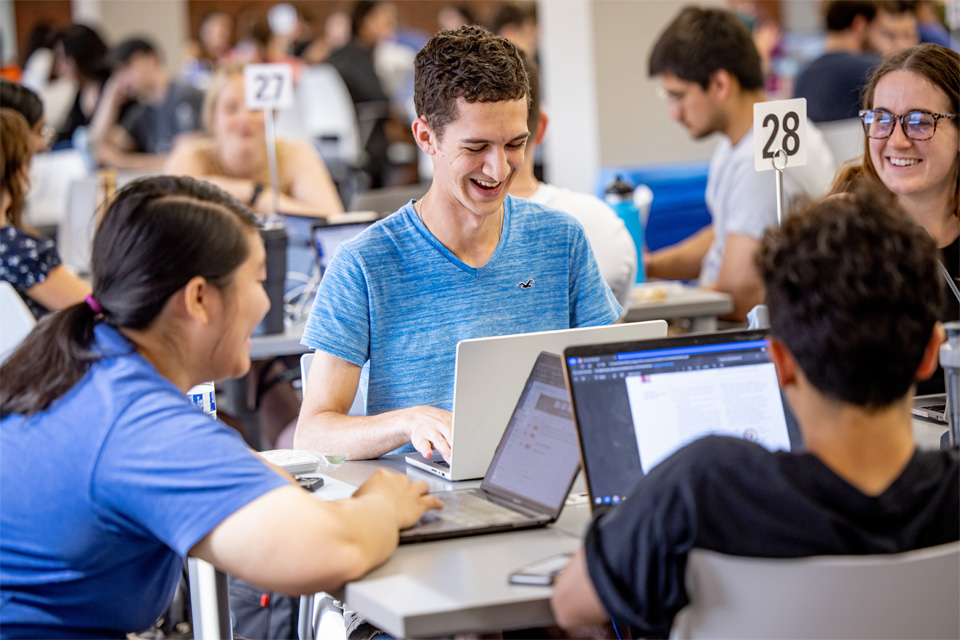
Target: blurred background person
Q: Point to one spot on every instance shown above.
(518, 24)
(28, 262)
(371, 22)
(453, 16)
(80, 58)
(832, 83)
(234, 156)
(893, 28)
(214, 40)
(929, 23)
(163, 109)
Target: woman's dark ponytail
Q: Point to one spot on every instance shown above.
(156, 235)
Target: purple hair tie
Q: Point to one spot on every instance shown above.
(93, 304)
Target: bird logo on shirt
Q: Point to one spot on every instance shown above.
(527, 284)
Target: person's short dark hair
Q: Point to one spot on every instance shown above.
(121, 54)
(533, 109)
(854, 292)
(469, 63)
(86, 48)
(700, 42)
(509, 15)
(19, 98)
(840, 14)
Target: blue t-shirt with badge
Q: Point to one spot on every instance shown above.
(396, 298)
(106, 492)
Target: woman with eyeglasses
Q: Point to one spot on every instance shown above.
(912, 128)
(28, 262)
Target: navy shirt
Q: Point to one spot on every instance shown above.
(154, 129)
(735, 497)
(832, 84)
(25, 261)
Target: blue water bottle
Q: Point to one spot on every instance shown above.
(619, 195)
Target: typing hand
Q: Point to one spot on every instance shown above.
(410, 499)
(429, 429)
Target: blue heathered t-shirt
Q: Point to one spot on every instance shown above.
(105, 493)
(395, 297)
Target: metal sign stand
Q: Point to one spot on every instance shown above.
(782, 154)
(271, 136)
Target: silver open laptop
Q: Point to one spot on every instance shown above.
(932, 408)
(531, 473)
(490, 372)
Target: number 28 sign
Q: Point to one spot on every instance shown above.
(268, 86)
(780, 134)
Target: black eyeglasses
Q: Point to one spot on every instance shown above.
(917, 125)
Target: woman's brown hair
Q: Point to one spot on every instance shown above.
(14, 160)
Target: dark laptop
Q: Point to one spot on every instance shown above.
(635, 403)
(531, 472)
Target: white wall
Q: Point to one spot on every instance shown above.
(604, 109)
(8, 31)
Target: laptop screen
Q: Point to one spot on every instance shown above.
(636, 403)
(537, 459)
(327, 237)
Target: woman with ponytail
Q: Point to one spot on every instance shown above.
(109, 476)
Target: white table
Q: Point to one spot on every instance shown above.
(443, 588)
(702, 306)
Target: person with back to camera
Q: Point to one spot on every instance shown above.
(28, 262)
(847, 357)
(912, 146)
(110, 476)
(234, 157)
(465, 261)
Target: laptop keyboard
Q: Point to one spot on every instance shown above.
(467, 509)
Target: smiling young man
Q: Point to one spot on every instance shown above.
(711, 79)
(465, 261)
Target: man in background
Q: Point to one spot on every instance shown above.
(832, 83)
(166, 109)
(711, 79)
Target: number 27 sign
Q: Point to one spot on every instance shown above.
(268, 86)
(780, 134)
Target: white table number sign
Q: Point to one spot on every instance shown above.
(268, 86)
(780, 126)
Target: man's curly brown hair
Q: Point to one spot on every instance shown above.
(469, 63)
(854, 291)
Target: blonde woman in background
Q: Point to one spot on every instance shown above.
(235, 156)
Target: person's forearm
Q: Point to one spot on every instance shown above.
(681, 261)
(109, 155)
(106, 115)
(360, 437)
(242, 190)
